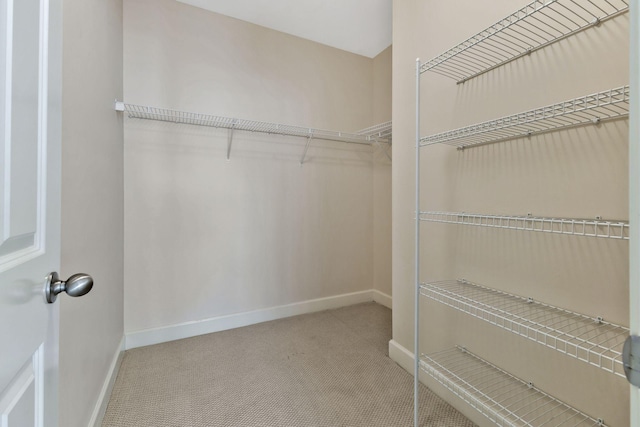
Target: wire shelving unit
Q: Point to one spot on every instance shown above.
(589, 339)
(506, 400)
(535, 26)
(607, 105)
(575, 227)
(498, 395)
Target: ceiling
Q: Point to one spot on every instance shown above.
(359, 26)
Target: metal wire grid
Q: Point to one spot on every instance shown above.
(382, 131)
(590, 340)
(575, 227)
(606, 105)
(498, 395)
(539, 24)
(197, 119)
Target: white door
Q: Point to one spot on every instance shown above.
(30, 126)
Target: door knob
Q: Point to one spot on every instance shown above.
(75, 286)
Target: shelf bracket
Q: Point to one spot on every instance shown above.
(306, 147)
(631, 359)
(384, 150)
(230, 139)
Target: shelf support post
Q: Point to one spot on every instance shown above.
(634, 190)
(306, 147)
(416, 332)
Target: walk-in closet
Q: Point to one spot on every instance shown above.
(286, 213)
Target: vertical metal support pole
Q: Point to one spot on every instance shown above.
(634, 190)
(416, 334)
(306, 147)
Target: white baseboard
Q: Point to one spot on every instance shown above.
(105, 393)
(222, 323)
(382, 298)
(401, 356)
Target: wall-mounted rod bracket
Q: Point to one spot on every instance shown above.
(230, 138)
(118, 105)
(631, 359)
(306, 147)
(383, 149)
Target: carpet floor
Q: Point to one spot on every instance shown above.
(326, 369)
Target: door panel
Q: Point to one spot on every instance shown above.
(19, 404)
(22, 145)
(30, 71)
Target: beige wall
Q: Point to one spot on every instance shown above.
(208, 237)
(576, 173)
(382, 86)
(382, 175)
(91, 327)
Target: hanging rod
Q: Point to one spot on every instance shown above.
(197, 119)
(607, 105)
(535, 26)
(576, 227)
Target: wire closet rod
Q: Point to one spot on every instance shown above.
(368, 136)
(535, 26)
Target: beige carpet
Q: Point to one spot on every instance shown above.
(326, 369)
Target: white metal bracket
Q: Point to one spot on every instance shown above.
(230, 139)
(118, 105)
(306, 147)
(631, 359)
(383, 149)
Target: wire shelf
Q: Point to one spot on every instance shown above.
(590, 109)
(382, 131)
(366, 136)
(535, 26)
(588, 339)
(575, 227)
(498, 395)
